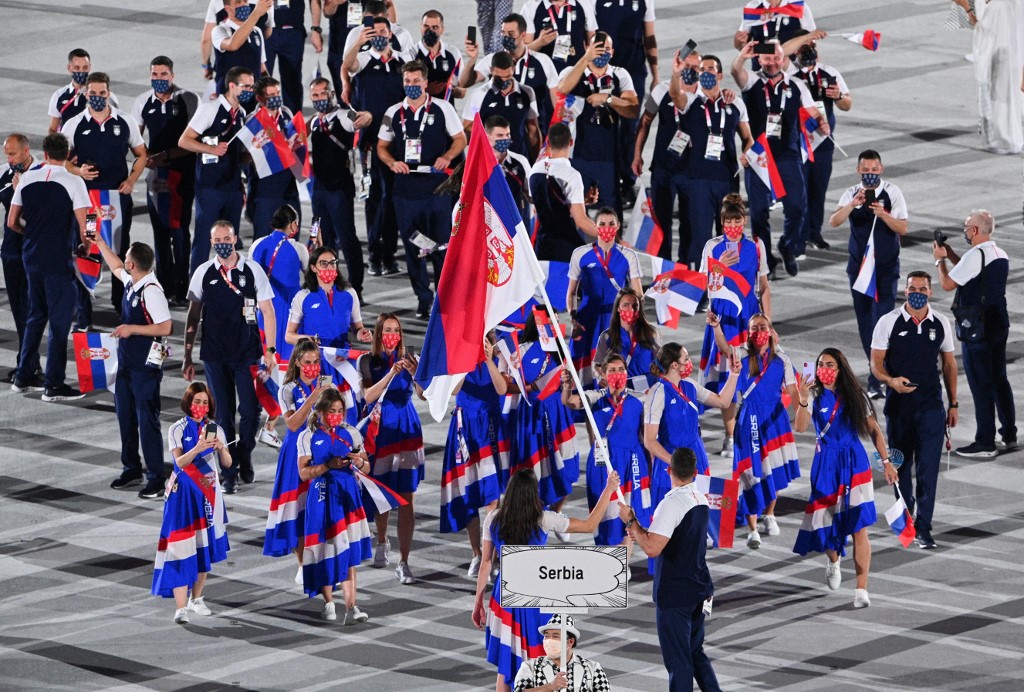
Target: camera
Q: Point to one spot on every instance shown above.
(940, 237)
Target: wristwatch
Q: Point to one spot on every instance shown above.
(316, 29)
(955, 404)
(271, 350)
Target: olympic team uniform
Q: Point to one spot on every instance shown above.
(842, 498)
(545, 434)
(337, 534)
(287, 515)
(283, 260)
(638, 357)
(620, 421)
(193, 534)
(397, 459)
(676, 412)
(764, 454)
(477, 446)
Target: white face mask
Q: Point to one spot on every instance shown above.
(553, 648)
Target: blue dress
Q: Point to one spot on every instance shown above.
(193, 534)
(476, 448)
(842, 498)
(397, 458)
(337, 533)
(328, 316)
(627, 456)
(287, 515)
(545, 434)
(638, 357)
(600, 278)
(678, 426)
(283, 267)
(764, 455)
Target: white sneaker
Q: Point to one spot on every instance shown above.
(404, 574)
(328, 613)
(493, 575)
(181, 616)
(198, 606)
(474, 568)
(298, 576)
(771, 527)
(709, 542)
(629, 573)
(833, 577)
(563, 537)
(354, 616)
(754, 540)
(268, 437)
(382, 555)
(726, 447)
(860, 598)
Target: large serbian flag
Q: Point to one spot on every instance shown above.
(266, 143)
(763, 164)
(644, 233)
(722, 495)
(868, 39)
(96, 360)
(489, 271)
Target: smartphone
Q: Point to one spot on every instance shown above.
(211, 432)
(352, 114)
(368, 22)
(324, 381)
(546, 24)
(731, 246)
(808, 371)
(314, 228)
(687, 48)
(869, 197)
(940, 237)
(90, 226)
(471, 34)
(911, 384)
(764, 49)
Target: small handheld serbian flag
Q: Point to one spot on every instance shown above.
(866, 281)
(763, 164)
(267, 144)
(106, 204)
(675, 290)
(644, 233)
(545, 332)
(723, 498)
(810, 135)
(87, 269)
(869, 39)
(900, 521)
(759, 11)
(96, 360)
(726, 283)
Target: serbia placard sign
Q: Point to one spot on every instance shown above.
(558, 577)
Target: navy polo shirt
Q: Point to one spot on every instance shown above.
(164, 123)
(442, 69)
(104, 144)
(681, 575)
(784, 98)
(574, 19)
(435, 123)
(142, 303)
(68, 102)
(10, 249)
(377, 86)
(536, 71)
(48, 197)
(705, 117)
(554, 187)
(517, 107)
(517, 174)
(219, 121)
(887, 243)
(984, 283)
(670, 120)
(624, 22)
(597, 128)
(912, 350)
(251, 55)
(227, 336)
(331, 138)
(290, 16)
(818, 79)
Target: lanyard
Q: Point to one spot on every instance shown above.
(597, 82)
(72, 100)
(568, 17)
(632, 347)
(273, 257)
(330, 433)
(768, 90)
(679, 390)
(401, 115)
(523, 65)
(302, 389)
(707, 116)
(604, 261)
(831, 418)
(765, 362)
(616, 409)
(225, 274)
(142, 300)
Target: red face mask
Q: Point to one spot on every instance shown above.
(687, 370)
(199, 412)
(327, 276)
(333, 420)
(311, 371)
(391, 341)
(606, 234)
(617, 380)
(733, 233)
(827, 376)
(761, 339)
(627, 315)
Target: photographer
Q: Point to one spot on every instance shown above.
(982, 326)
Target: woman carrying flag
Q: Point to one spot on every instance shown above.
(842, 495)
(395, 443)
(476, 448)
(513, 635)
(598, 271)
(285, 520)
(545, 434)
(737, 270)
(631, 336)
(327, 311)
(193, 535)
(337, 535)
(619, 415)
(764, 457)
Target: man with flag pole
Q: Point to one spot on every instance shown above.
(874, 264)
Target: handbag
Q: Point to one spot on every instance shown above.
(970, 319)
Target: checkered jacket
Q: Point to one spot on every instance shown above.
(584, 675)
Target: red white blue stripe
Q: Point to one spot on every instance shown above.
(267, 144)
(644, 233)
(675, 290)
(722, 495)
(96, 360)
(901, 523)
(868, 39)
(867, 281)
(763, 164)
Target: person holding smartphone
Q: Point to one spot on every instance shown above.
(842, 501)
(193, 534)
(396, 455)
(561, 29)
(337, 534)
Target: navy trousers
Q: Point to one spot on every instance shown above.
(226, 380)
(666, 190)
(381, 230)
(137, 403)
(433, 218)
(919, 434)
(287, 44)
(817, 174)
(51, 303)
(681, 635)
(16, 283)
(868, 310)
(173, 246)
(985, 367)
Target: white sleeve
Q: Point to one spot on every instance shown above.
(356, 316)
(68, 130)
(286, 398)
(899, 203)
(357, 437)
(634, 264)
(529, 11)
(362, 60)
(386, 132)
(574, 262)
(219, 34)
(263, 289)
(483, 65)
(452, 122)
(967, 268)
(134, 132)
(574, 193)
(303, 443)
(762, 268)
(883, 328)
(52, 109)
(741, 106)
(174, 434)
(204, 117)
(589, 17)
(554, 521)
(806, 100)
(156, 305)
(549, 69)
(485, 528)
(807, 21)
(848, 195)
(702, 393)
(625, 82)
(654, 405)
(472, 105)
(295, 314)
(649, 14)
(137, 107)
(195, 284)
(303, 254)
(789, 378)
(947, 340)
(667, 516)
(211, 11)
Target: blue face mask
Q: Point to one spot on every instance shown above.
(242, 12)
(917, 300)
(708, 80)
(379, 43)
(502, 145)
(501, 84)
(160, 86)
(274, 103)
(689, 76)
(20, 167)
(430, 38)
(413, 91)
(79, 77)
(508, 43)
(224, 250)
(98, 103)
(870, 179)
(322, 105)
(602, 60)
(246, 96)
